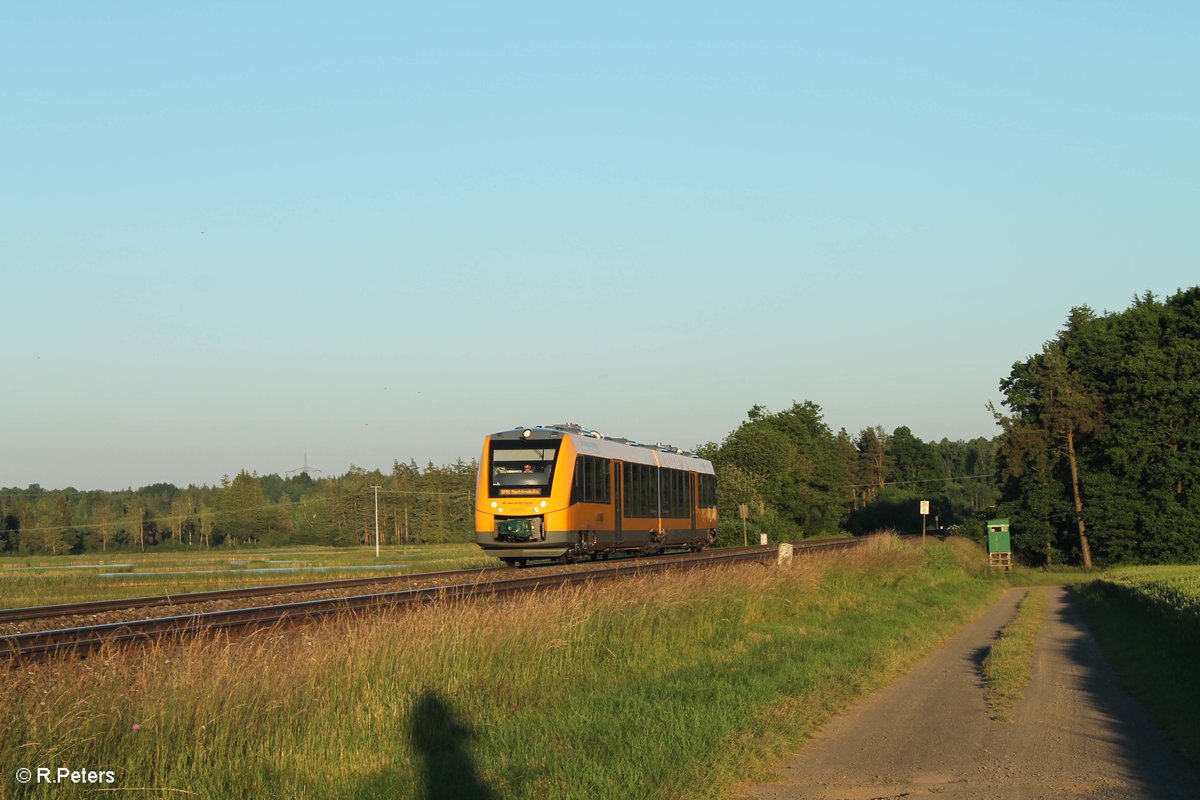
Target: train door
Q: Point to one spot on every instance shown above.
(618, 508)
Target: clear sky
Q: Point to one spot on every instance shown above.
(235, 233)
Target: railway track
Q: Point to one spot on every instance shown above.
(12, 617)
(82, 640)
(8, 615)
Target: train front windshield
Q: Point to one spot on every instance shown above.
(523, 468)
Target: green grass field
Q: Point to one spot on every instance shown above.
(43, 580)
(653, 687)
(1058, 576)
(1147, 620)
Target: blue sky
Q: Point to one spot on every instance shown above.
(233, 234)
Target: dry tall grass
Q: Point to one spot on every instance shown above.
(551, 694)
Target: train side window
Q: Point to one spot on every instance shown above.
(708, 491)
(684, 504)
(649, 491)
(642, 490)
(646, 491)
(676, 501)
(639, 477)
(681, 488)
(629, 489)
(652, 491)
(591, 480)
(599, 485)
(579, 487)
(638, 493)
(664, 493)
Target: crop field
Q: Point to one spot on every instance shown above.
(43, 580)
(652, 687)
(1170, 592)
(1147, 620)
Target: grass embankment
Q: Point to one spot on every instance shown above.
(1147, 620)
(1009, 664)
(652, 687)
(43, 580)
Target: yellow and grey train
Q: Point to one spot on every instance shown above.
(564, 492)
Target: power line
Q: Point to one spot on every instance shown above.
(923, 480)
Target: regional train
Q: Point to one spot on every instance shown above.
(564, 492)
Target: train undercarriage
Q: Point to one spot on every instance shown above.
(516, 548)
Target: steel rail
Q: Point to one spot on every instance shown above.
(83, 640)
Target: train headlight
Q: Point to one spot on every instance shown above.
(493, 504)
(499, 510)
(525, 434)
(543, 504)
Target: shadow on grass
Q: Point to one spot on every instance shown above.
(441, 742)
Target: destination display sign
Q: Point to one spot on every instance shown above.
(520, 491)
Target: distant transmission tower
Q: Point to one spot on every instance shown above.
(305, 468)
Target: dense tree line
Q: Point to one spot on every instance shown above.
(798, 478)
(434, 504)
(1100, 454)
(1099, 458)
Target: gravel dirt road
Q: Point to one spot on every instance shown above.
(1077, 732)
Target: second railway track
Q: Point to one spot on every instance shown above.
(455, 585)
(9, 616)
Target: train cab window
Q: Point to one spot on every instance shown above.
(525, 469)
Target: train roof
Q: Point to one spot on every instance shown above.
(591, 442)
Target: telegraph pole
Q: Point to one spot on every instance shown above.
(376, 488)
